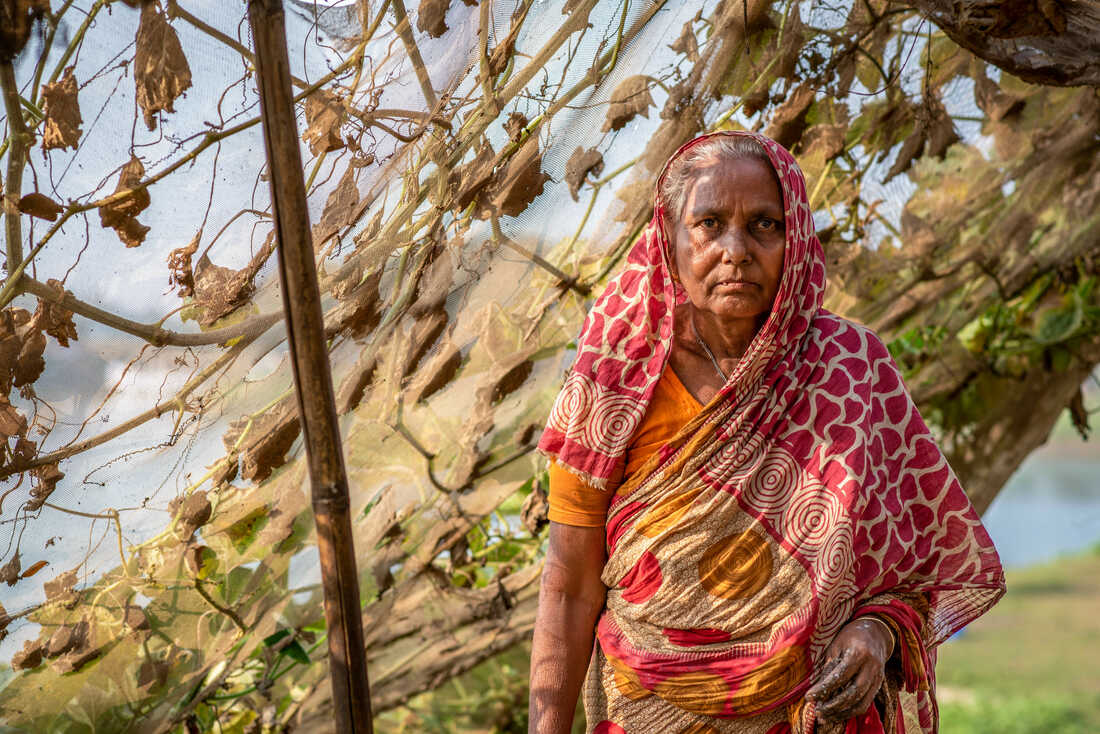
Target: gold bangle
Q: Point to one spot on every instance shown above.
(884, 623)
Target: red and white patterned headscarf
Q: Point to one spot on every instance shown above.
(627, 335)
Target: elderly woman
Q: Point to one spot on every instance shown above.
(752, 529)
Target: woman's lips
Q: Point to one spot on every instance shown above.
(736, 285)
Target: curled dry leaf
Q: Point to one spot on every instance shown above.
(161, 73)
(39, 205)
(120, 214)
(824, 140)
(520, 182)
(61, 127)
(515, 125)
(270, 437)
(994, 101)
(29, 657)
(580, 164)
(339, 208)
(470, 179)
(152, 674)
(60, 589)
(54, 319)
(788, 121)
(12, 422)
(46, 478)
(679, 100)
(192, 512)
(219, 291)
(9, 572)
(431, 17)
(933, 135)
(686, 44)
(535, 512)
(436, 373)
(180, 274)
(30, 363)
(325, 115)
(134, 619)
(630, 98)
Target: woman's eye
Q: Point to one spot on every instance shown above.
(709, 222)
(767, 224)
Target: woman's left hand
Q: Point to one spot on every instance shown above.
(853, 670)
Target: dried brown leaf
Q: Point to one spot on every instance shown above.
(687, 44)
(535, 512)
(270, 437)
(134, 619)
(680, 99)
(191, 512)
(630, 98)
(580, 164)
(219, 291)
(993, 101)
(12, 422)
(431, 17)
(29, 657)
(515, 125)
(61, 126)
(60, 589)
(9, 572)
(152, 674)
(339, 207)
(33, 569)
(39, 205)
(434, 284)
(161, 73)
(120, 214)
(824, 140)
(46, 478)
(55, 320)
(437, 372)
(325, 116)
(470, 179)
(30, 363)
(179, 267)
(520, 182)
(788, 121)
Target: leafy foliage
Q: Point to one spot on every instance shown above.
(465, 209)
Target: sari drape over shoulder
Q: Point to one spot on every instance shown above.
(807, 492)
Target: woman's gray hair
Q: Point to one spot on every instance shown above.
(731, 147)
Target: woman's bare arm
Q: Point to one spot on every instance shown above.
(570, 600)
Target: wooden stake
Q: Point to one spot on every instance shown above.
(309, 356)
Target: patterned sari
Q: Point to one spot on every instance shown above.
(807, 492)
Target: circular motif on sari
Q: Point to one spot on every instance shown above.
(666, 513)
(611, 423)
(771, 487)
(769, 682)
(575, 400)
(626, 680)
(698, 692)
(737, 566)
(811, 515)
(836, 559)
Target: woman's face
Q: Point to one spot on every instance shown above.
(728, 243)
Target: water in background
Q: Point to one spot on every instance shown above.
(1050, 507)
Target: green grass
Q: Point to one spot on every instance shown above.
(1030, 665)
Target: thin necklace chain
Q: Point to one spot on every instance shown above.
(713, 361)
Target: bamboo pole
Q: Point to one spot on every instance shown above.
(309, 356)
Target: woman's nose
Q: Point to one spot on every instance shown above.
(735, 245)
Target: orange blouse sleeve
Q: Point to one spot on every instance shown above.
(575, 502)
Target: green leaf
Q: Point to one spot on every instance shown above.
(275, 637)
(295, 652)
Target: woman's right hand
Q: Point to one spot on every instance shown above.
(571, 597)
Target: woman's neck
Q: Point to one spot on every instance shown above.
(727, 339)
